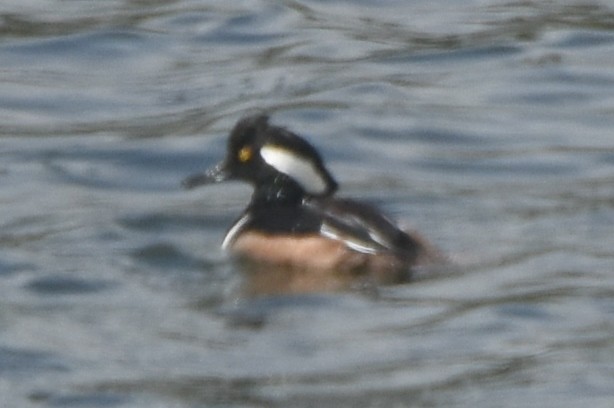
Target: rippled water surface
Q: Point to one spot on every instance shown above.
(487, 125)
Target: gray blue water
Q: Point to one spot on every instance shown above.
(487, 125)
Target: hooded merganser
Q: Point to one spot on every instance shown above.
(294, 220)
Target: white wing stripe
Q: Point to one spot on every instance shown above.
(329, 232)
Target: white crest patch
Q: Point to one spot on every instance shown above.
(300, 169)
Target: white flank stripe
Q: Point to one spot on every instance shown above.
(232, 233)
(298, 168)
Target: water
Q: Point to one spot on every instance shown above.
(486, 125)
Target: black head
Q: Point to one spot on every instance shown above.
(276, 161)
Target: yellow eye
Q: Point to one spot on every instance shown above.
(245, 154)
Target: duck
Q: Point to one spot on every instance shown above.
(296, 234)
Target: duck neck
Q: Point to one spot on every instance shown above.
(279, 192)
